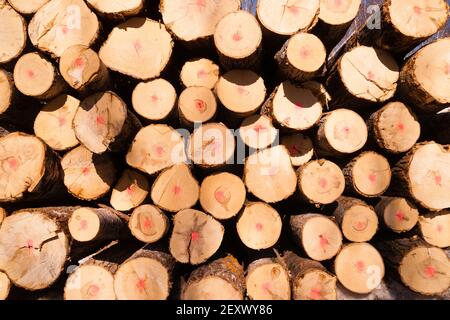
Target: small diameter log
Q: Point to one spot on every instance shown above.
(146, 44)
(241, 92)
(195, 237)
(200, 72)
(309, 279)
(222, 279)
(175, 189)
(27, 7)
(88, 176)
(156, 147)
(148, 223)
(397, 214)
(435, 228)
(424, 79)
(422, 268)
(196, 105)
(395, 128)
(37, 77)
(83, 70)
(14, 35)
(268, 279)
(130, 191)
(259, 226)
(341, 132)
(257, 132)
(423, 175)
(5, 286)
(53, 124)
(320, 182)
(238, 40)
(318, 235)
(222, 195)
(146, 275)
(358, 220)
(368, 175)
(300, 148)
(28, 168)
(68, 23)
(269, 175)
(363, 76)
(293, 107)
(302, 57)
(359, 267)
(116, 9)
(154, 100)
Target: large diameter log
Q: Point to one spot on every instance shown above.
(146, 44)
(435, 228)
(269, 175)
(200, 72)
(196, 105)
(27, 7)
(68, 23)
(359, 267)
(397, 214)
(318, 235)
(148, 223)
(130, 191)
(195, 237)
(423, 175)
(300, 148)
(116, 9)
(14, 35)
(309, 279)
(258, 132)
(424, 79)
(222, 279)
(5, 286)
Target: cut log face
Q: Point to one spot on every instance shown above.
(195, 236)
(69, 22)
(14, 36)
(259, 226)
(398, 214)
(6, 90)
(197, 105)
(268, 279)
(88, 176)
(269, 175)
(241, 91)
(287, 18)
(359, 267)
(53, 124)
(435, 229)
(5, 286)
(222, 195)
(148, 223)
(200, 73)
(27, 7)
(156, 147)
(117, 8)
(90, 282)
(146, 44)
(154, 100)
(175, 189)
(300, 148)
(321, 181)
(257, 132)
(130, 191)
(180, 15)
(335, 12)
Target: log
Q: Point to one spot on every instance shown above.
(269, 175)
(37, 77)
(424, 79)
(196, 105)
(300, 147)
(397, 214)
(27, 7)
(222, 279)
(222, 195)
(130, 191)
(257, 132)
(259, 226)
(2, 215)
(434, 228)
(14, 37)
(116, 9)
(359, 267)
(146, 44)
(320, 182)
(358, 220)
(394, 128)
(200, 72)
(309, 279)
(175, 189)
(368, 174)
(195, 237)
(268, 279)
(7, 91)
(148, 223)
(53, 123)
(67, 23)
(5, 286)
(423, 175)
(88, 176)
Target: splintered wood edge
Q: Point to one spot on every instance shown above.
(130, 191)
(435, 229)
(371, 174)
(258, 132)
(315, 284)
(90, 282)
(200, 72)
(148, 223)
(15, 35)
(5, 286)
(359, 223)
(6, 90)
(267, 280)
(337, 13)
(398, 214)
(197, 104)
(300, 147)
